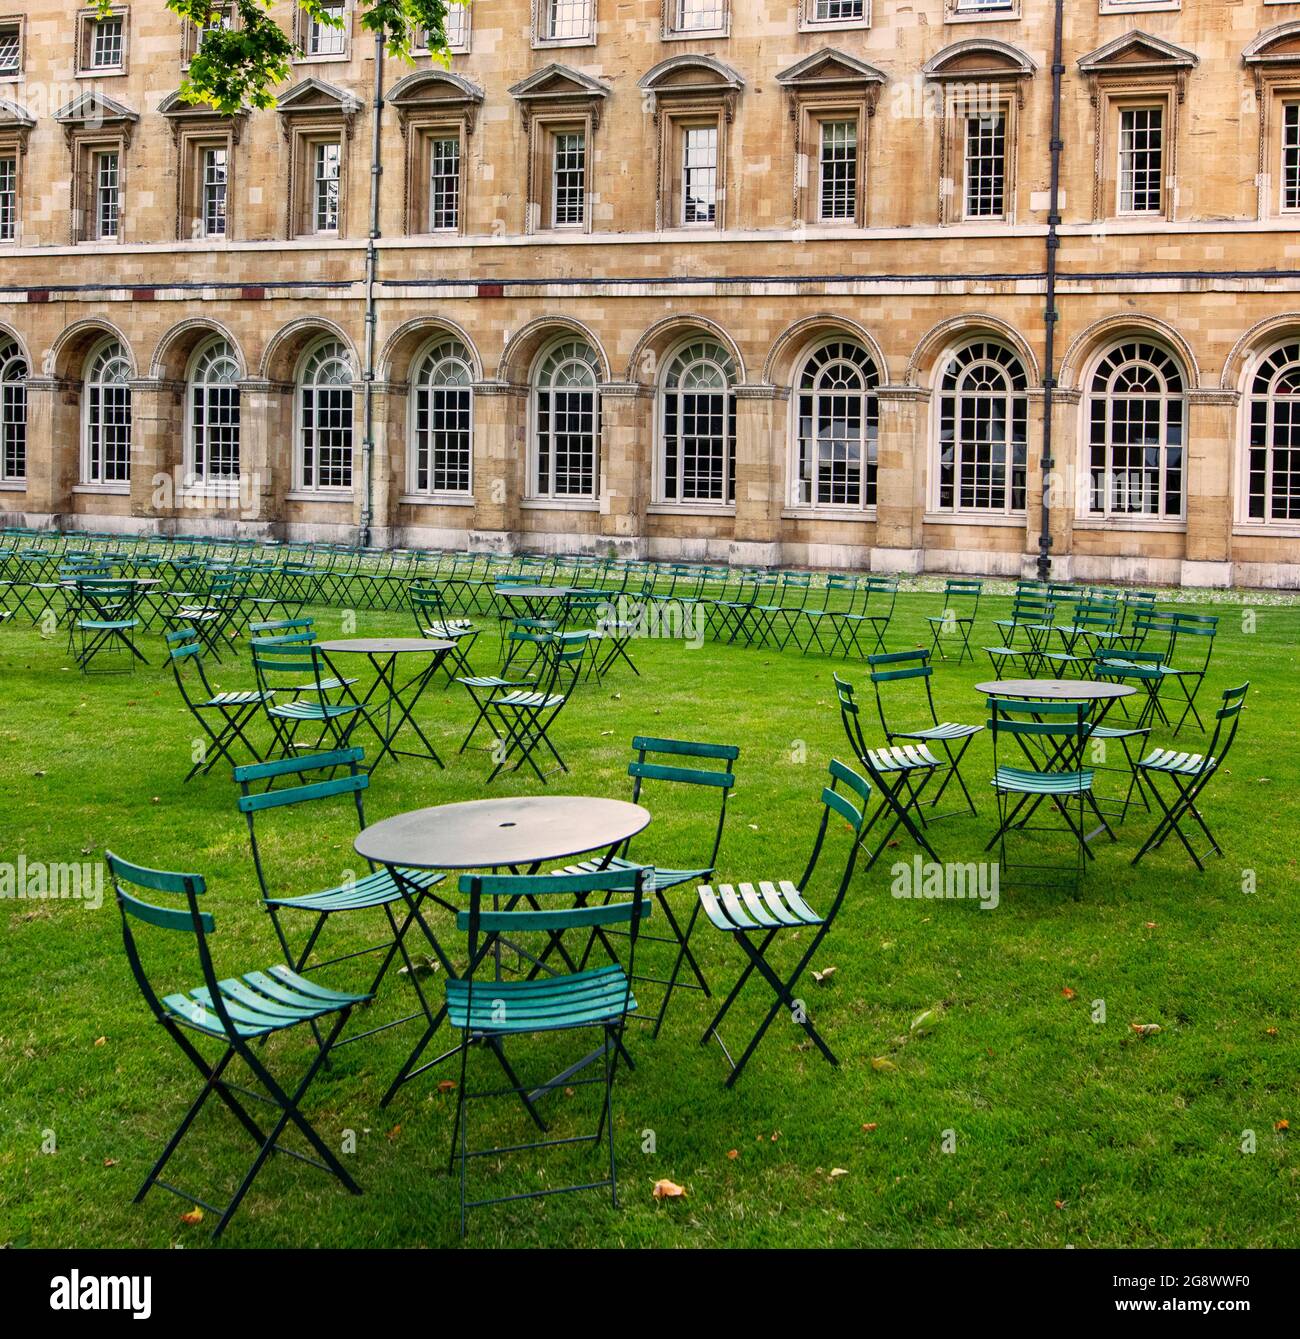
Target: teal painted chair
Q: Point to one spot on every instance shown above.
(237, 1012)
(234, 709)
(961, 604)
(488, 1011)
(755, 914)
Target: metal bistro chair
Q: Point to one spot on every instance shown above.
(526, 715)
(961, 603)
(434, 619)
(235, 1011)
(1047, 764)
(235, 708)
(105, 620)
(701, 768)
(302, 670)
(755, 914)
(1188, 775)
(489, 1011)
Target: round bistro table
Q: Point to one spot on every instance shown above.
(518, 834)
(390, 697)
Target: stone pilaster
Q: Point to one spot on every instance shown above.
(760, 434)
(265, 448)
(1208, 484)
(157, 450)
(626, 419)
(900, 478)
(53, 446)
(1069, 484)
(389, 407)
(500, 459)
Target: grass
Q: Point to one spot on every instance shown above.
(1014, 1119)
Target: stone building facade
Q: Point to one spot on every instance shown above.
(759, 280)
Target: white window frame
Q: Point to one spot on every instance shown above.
(338, 351)
(1122, 111)
(966, 117)
(674, 30)
(198, 405)
(694, 348)
(810, 22)
(684, 173)
(830, 352)
(208, 187)
(980, 351)
(569, 350)
(100, 354)
(543, 10)
(10, 198)
(1285, 354)
(13, 410)
(851, 119)
(557, 137)
(18, 23)
(1289, 174)
(322, 41)
(441, 351)
(317, 194)
(1109, 512)
(98, 198)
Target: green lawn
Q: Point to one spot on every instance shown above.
(1062, 1129)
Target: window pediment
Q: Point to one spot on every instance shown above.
(1138, 53)
(96, 111)
(433, 94)
(979, 58)
(1277, 47)
(181, 113)
(559, 86)
(830, 70)
(16, 121)
(693, 79)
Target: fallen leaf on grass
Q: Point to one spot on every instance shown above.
(110, 1162)
(1145, 1029)
(1270, 1032)
(445, 1086)
(824, 975)
(395, 1131)
(669, 1190)
(837, 1172)
(1283, 1125)
(101, 1041)
(1068, 993)
(193, 1218)
(733, 1154)
(925, 1020)
(871, 1125)
(882, 1062)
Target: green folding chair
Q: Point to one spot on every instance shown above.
(234, 708)
(303, 671)
(754, 914)
(703, 768)
(1188, 774)
(525, 716)
(105, 621)
(1189, 659)
(899, 772)
(961, 603)
(872, 620)
(315, 780)
(488, 1011)
(433, 619)
(954, 739)
(236, 1011)
(1038, 757)
(1031, 614)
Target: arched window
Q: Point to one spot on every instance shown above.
(1136, 433)
(325, 417)
(13, 413)
(442, 420)
(838, 422)
(983, 431)
(697, 425)
(106, 416)
(566, 422)
(1273, 451)
(213, 416)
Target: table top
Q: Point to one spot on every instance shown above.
(542, 592)
(382, 646)
(501, 833)
(1056, 690)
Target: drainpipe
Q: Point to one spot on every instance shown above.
(372, 314)
(1051, 316)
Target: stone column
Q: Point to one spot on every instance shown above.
(500, 459)
(1066, 482)
(626, 416)
(157, 450)
(759, 444)
(900, 479)
(389, 479)
(265, 451)
(53, 447)
(1208, 485)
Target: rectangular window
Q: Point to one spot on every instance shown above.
(693, 16)
(983, 6)
(444, 184)
(986, 166)
(324, 39)
(837, 11)
(213, 203)
(569, 179)
(13, 428)
(325, 186)
(11, 49)
(839, 171)
(106, 43)
(568, 20)
(106, 200)
(1291, 156)
(699, 174)
(1141, 160)
(456, 26)
(8, 197)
